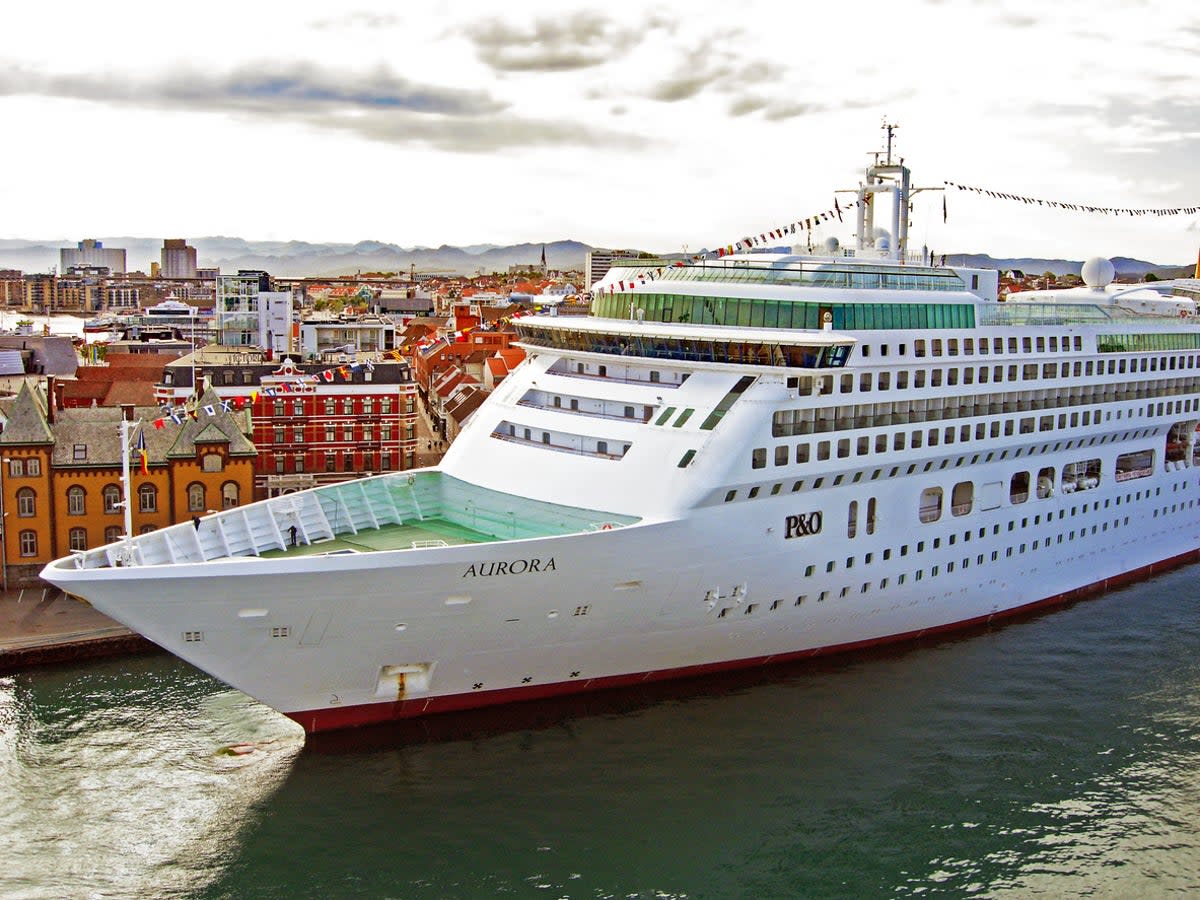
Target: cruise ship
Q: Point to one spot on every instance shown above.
(749, 458)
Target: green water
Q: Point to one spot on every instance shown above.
(1055, 756)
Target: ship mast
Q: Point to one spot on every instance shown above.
(887, 177)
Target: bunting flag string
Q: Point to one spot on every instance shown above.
(1078, 207)
(748, 242)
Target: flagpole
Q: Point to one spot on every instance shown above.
(125, 485)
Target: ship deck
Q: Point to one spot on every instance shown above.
(412, 511)
(434, 532)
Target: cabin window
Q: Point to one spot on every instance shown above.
(930, 509)
(1045, 483)
(962, 497)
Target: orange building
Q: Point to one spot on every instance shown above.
(61, 487)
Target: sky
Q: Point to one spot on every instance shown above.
(663, 126)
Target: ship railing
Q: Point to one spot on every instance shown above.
(591, 414)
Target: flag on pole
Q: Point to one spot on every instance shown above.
(139, 448)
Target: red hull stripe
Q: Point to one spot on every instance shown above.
(336, 717)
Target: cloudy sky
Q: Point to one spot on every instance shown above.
(656, 125)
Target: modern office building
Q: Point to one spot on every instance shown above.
(599, 261)
(91, 252)
(178, 259)
(250, 314)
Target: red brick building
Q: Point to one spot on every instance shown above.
(313, 422)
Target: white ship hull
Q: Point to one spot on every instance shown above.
(322, 640)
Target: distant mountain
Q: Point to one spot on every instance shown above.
(1036, 266)
(297, 258)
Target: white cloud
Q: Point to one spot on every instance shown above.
(684, 124)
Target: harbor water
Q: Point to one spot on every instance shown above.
(1055, 755)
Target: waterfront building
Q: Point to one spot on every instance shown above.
(178, 260)
(90, 252)
(60, 485)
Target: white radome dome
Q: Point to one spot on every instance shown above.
(1098, 272)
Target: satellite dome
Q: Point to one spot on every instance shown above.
(1097, 272)
(832, 245)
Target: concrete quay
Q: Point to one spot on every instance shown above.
(43, 625)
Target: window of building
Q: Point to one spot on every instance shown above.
(279, 435)
(330, 462)
(278, 408)
(212, 462)
(147, 498)
(348, 462)
(26, 503)
(230, 495)
(77, 539)
(112, 534)
(29, 543)
(348, 407)
(79, 452)
(330, 408)
(76, 501)
(16, 468)
(112, 498)
(196, 497)
(385, 405)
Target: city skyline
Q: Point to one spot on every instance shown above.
(663, 128)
